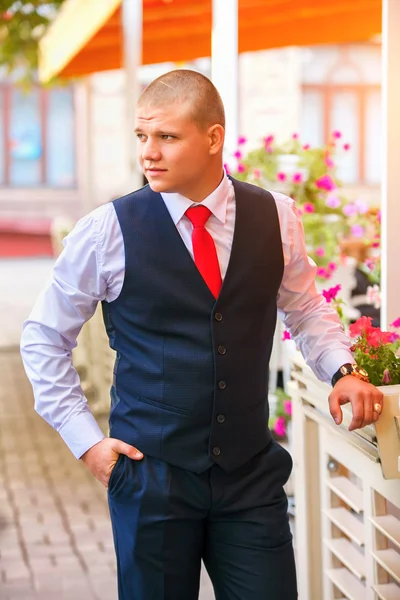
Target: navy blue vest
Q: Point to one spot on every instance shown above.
(191, 373)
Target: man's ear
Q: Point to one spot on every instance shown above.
(216, 134)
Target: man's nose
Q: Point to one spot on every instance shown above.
(150, 150)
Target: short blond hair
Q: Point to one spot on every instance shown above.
(191, 88)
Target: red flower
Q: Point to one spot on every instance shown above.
(361, 326)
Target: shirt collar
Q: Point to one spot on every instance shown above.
(217, 201)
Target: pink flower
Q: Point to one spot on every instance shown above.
(333, 201)
(325, 183)
(281, 176)
(227, 169)
(241, 168)
(238, 154)
(287, 407)
(297, 178)
(306, 147)
(295, 136)
(396, 323)
(331, 294)
(357, 230)
(349, 210)
(346, 147)
(241, 140)
(337, 135)
(379, 216)
(394, 337)
(374, 295)
(361, 206)
(386, 376)
(268, 140)
(332, 266)
(319, 251)
(280, 427)
(329, 162)
(308, 207)
(323, 273)
(286, 335)
(257, 173)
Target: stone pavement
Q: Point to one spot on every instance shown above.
(55, 532)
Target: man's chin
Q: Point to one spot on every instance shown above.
(158, 186)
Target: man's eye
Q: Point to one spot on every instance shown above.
(167, 137)
(140, 136)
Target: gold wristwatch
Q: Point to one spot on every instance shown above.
(350, 369)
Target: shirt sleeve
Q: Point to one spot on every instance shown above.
(313, 323)
(49, 335)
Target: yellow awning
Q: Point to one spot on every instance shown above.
(87, 34)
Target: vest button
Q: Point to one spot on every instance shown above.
(218, 317)
(222, 384)
(221, 418)
(221, 350)
(216, 451)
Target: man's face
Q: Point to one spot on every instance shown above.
(172, 149)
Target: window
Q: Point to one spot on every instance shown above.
(37, 138)
(341, 91)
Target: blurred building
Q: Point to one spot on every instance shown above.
(64, 150)
(40, 154)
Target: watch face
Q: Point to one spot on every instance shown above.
(362, 371)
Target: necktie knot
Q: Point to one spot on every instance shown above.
(198, 215)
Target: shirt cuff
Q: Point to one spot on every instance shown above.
(333, 361)
(81, 433)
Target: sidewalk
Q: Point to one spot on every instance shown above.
(55, 532)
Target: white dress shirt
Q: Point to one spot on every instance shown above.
(91, 268)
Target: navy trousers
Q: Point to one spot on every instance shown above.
(166, 520)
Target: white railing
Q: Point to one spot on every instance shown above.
(347, 515)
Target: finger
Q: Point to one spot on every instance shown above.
(334, 407)
(128, 450)
(368, 409)
(357, 405)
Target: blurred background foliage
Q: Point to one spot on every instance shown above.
(22, 24)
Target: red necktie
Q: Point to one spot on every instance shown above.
(205, 254)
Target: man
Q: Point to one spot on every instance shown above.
(190, 271)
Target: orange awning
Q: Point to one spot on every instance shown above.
(87, 36)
